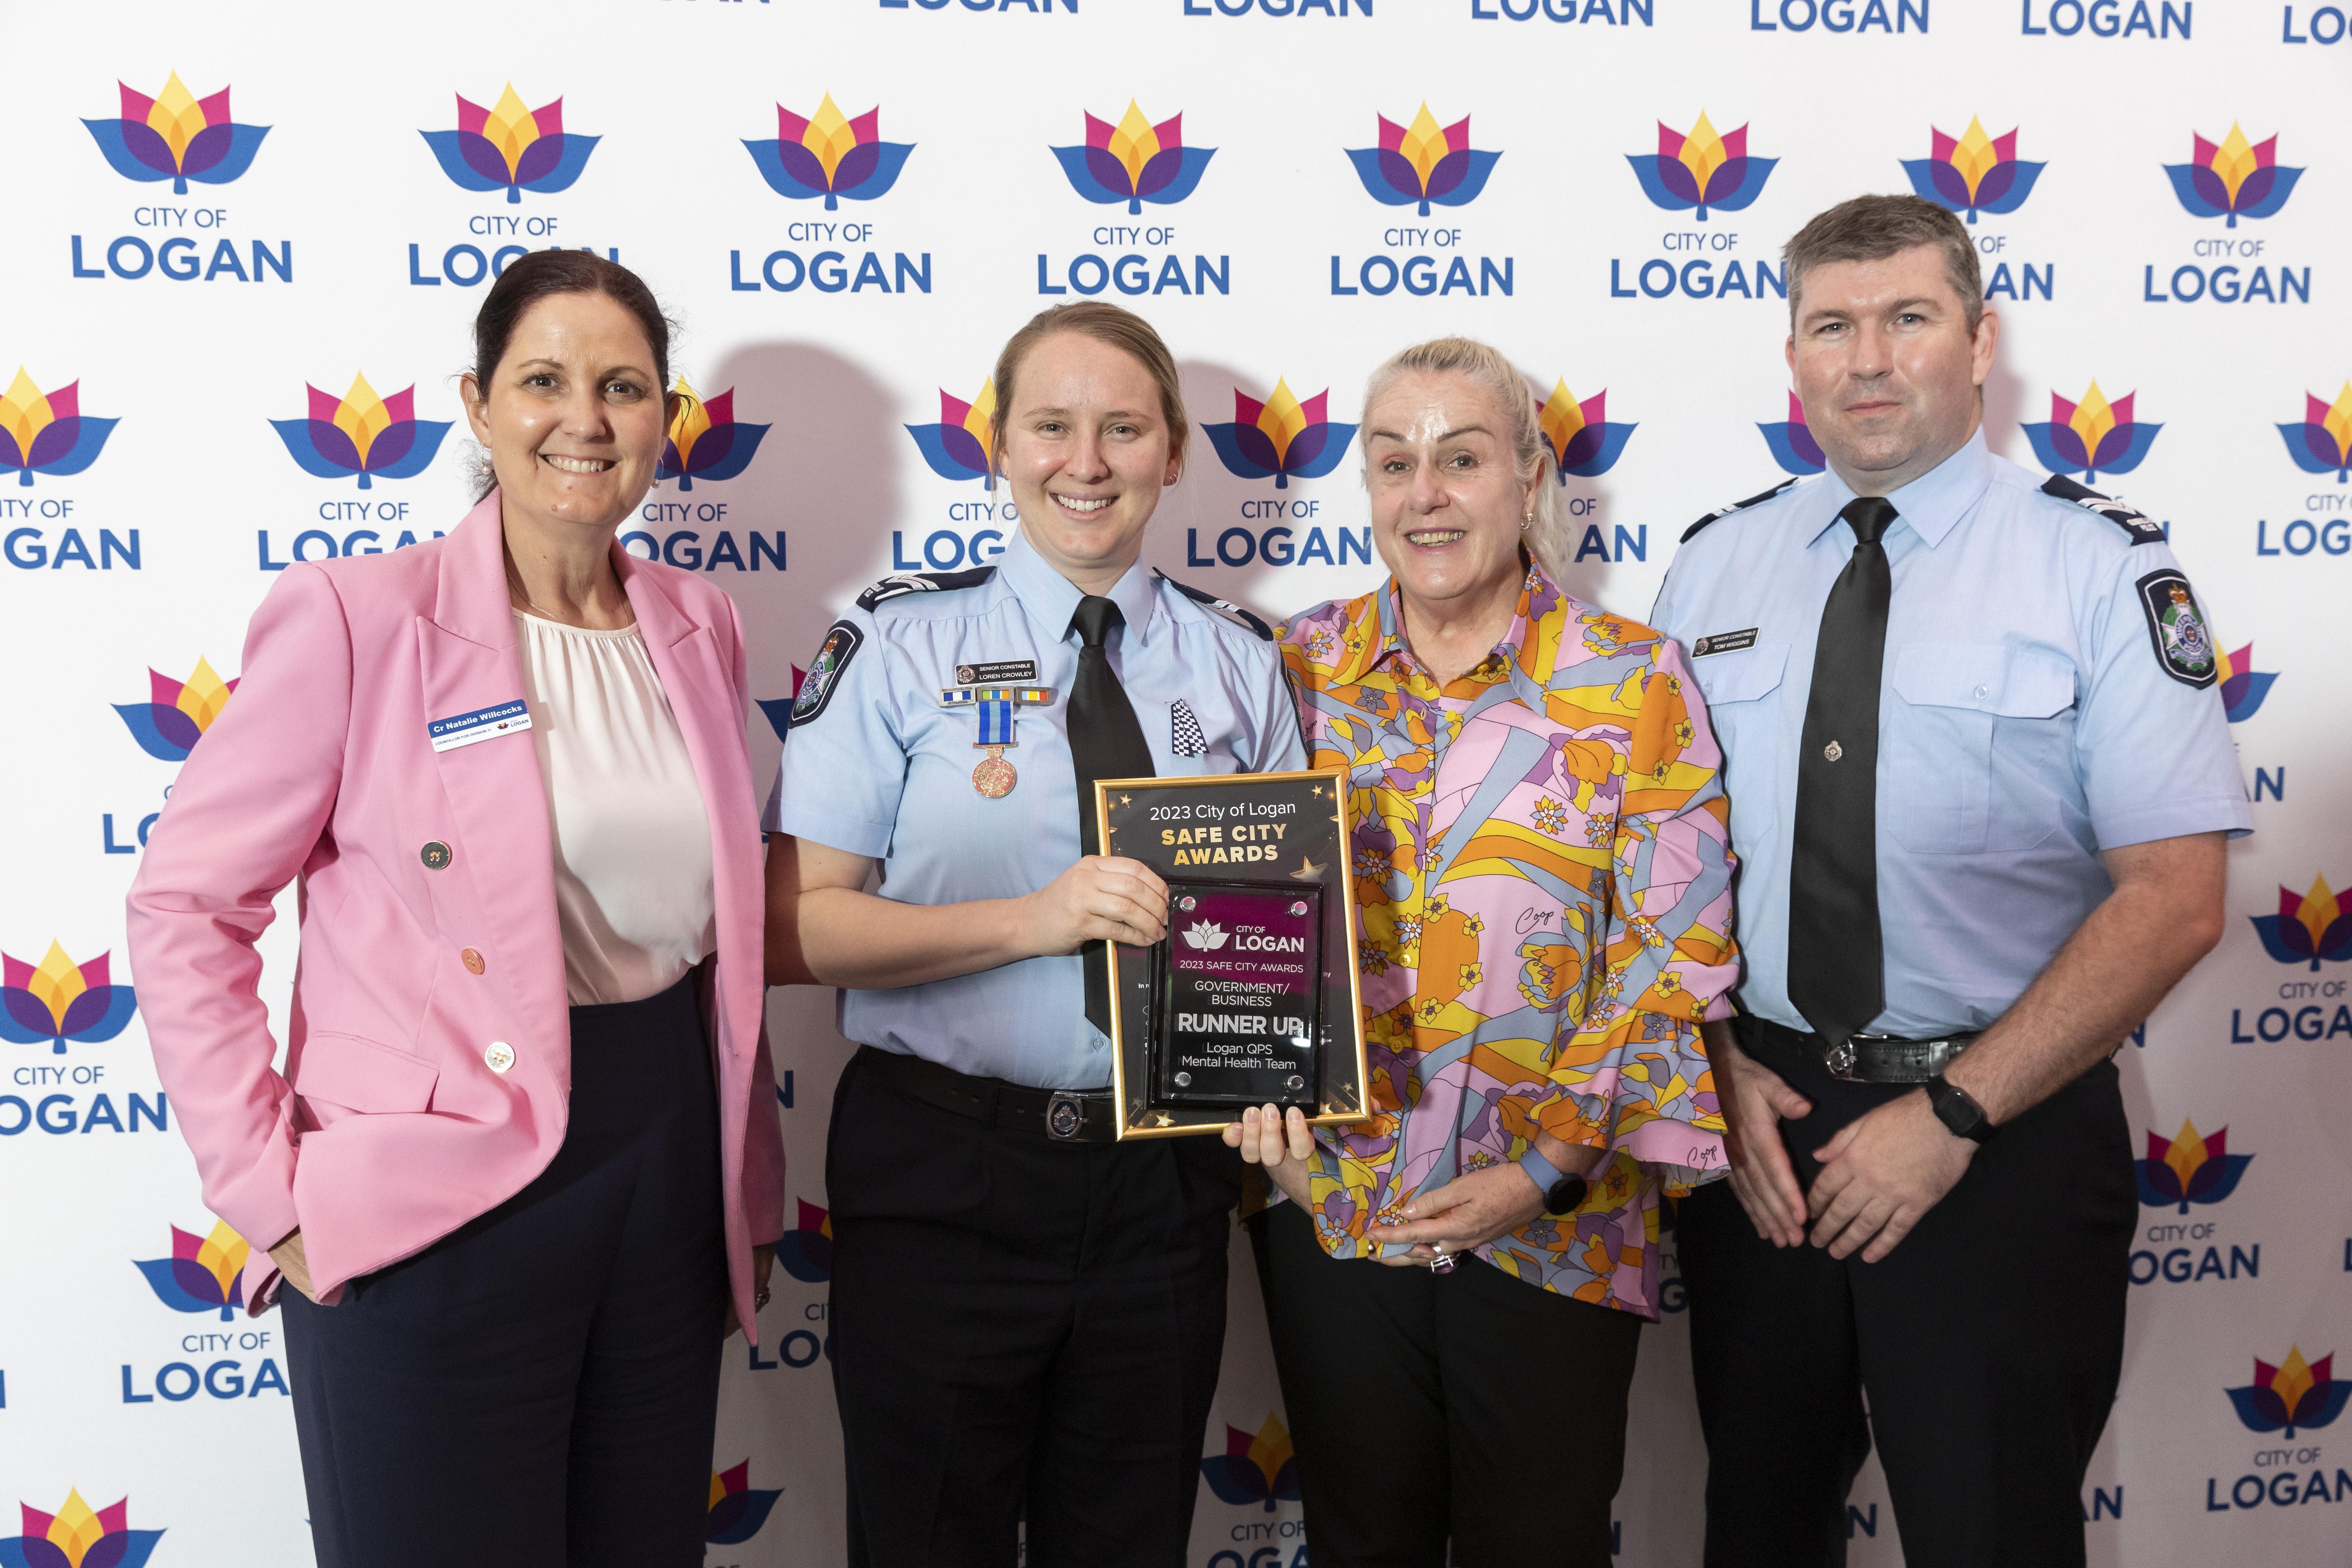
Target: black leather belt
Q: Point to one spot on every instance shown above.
(1874, 1059)
(1061, 1115)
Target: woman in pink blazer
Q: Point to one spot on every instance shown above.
(521, 1172)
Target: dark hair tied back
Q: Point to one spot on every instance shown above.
(532, 278)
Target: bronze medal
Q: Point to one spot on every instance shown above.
(993, 776)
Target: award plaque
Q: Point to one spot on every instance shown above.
(1251, 998)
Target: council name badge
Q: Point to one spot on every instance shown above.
(1251, 998)
(481, 724)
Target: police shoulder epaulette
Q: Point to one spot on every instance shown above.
(902, 583)
(1232, 612)
(1756, 500)
(2059, 487)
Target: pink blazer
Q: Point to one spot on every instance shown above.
(390, 1128)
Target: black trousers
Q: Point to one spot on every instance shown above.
(1469, 1405)
(1989, 1342)
(1020, 1323)
(539, 1388)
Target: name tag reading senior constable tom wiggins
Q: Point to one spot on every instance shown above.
(1251, 999)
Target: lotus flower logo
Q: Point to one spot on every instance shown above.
(1976, 174)
(1581, 439)
(168, 726)
(2310, 928)
(375, 437)
(1261, 1469)
(1135, 161)
(736, 1511)
(830, 156)
(2235, 180)
(705, 442)
(1422, 164)
(2295, 1393)
(957, 447)
(1206, 935)
(2091, 436)
(1792, 443)
(61, 1001)
(807, 1253)
(1281, 439)
(2243, 686)
(77, 1537)
(202, 1273)
(177, 136)
(45, 433)
(2322, 441)
(2191, 1169)
(1702, 170)
(509, 148)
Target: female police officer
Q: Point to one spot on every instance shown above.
(1022, 1310)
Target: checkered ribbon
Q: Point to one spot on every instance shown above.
(1188, 740)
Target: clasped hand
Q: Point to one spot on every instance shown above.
(1465, 1213)
(1880, 1175)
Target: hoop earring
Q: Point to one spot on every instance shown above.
(1527, 521)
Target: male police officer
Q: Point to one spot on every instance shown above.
(1979, 785)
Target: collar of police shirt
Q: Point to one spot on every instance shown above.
(1050, 599)
(1931, 505)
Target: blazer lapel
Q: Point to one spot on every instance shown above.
(468, 659)
(692, 662)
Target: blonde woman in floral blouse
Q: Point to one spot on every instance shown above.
(1545, 889)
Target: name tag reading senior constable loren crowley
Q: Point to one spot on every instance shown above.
(1251, 999)
(481, 724)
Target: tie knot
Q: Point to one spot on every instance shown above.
(1868, 516)
(1093, 617)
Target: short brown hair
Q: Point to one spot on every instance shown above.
(1106, 323)
(1871, 229)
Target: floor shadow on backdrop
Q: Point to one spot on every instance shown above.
(827, 475)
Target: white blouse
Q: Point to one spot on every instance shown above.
(632, 839)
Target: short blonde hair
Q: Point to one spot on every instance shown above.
(1484, 366)
(1106, 323)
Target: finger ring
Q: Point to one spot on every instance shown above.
(1442, 1263)
(760, 1298)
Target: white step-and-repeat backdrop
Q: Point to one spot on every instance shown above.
(245, 243)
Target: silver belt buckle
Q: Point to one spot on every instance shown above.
(1065, 1117)
(1840, 1061)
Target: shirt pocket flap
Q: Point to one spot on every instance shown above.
(2013, 682)
(1744, 676)
(362, 1075)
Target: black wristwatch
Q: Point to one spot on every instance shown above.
(1562, 1193)
(1957, 1111)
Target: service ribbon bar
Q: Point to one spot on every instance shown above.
(966, 696)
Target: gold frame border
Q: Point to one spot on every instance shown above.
(1337, 778)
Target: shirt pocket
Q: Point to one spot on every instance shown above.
(1743, 704)
(1951, 701)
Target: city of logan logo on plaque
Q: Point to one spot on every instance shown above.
(1251, 998)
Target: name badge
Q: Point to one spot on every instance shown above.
(1724, 642)
(481, 724)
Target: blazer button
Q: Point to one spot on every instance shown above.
(472, 961)
(500, 1056)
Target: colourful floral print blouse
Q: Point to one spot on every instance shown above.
(1543, 882)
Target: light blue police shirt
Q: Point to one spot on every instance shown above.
(880, 768)
(2028, 720)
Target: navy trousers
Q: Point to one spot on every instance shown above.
(1020, 1325)
(539, 1389)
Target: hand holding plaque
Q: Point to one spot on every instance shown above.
(1251, 998)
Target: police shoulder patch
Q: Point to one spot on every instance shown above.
(1721, 513)
(1232, 612)
(899, 584)
(2059, 487)
(2184, 643)
(842, 641)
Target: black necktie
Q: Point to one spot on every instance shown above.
(1837, 972)
(1105, 743)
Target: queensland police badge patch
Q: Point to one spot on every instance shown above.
(2184, 644)
(841, 641)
